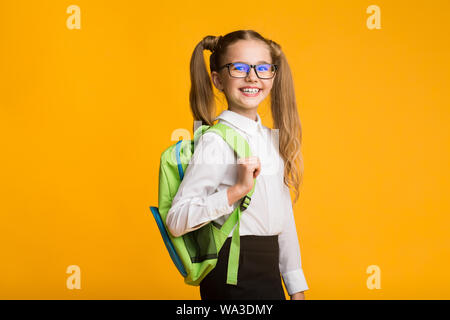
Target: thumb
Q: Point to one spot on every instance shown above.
(257, 172)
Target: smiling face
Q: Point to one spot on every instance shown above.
(250, 52)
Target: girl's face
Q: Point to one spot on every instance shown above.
(252, 52)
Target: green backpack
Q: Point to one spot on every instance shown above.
(195, 253)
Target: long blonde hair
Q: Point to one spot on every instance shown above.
(283, 103)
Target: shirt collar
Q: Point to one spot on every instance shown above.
(242, 122)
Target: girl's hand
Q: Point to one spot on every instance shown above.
(248, 169)
(298, 296)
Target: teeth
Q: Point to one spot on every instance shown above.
(250, 90)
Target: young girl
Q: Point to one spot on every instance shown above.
(246, 67)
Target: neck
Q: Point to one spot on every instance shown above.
(249, 113)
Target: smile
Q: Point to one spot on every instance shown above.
(250, 92)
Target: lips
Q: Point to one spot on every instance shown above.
(249, 88)
(250, 94)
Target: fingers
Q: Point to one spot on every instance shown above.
(257, 168)
(252, 164)
(257, 171)
(249, 161)
(252, 159)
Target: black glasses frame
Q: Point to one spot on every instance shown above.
(249, 69)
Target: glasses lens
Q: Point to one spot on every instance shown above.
(239, 69)
(265, 70)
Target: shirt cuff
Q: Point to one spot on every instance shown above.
(217, 204)
(295, 281)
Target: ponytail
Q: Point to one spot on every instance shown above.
(201, 95)
(286, 119)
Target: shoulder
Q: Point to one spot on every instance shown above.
(213, 147)
(211, 139)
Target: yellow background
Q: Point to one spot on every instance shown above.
(85, 115)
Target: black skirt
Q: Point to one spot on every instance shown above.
(258, 275)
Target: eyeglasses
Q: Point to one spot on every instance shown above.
(241, 70)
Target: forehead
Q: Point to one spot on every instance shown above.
(249, 51)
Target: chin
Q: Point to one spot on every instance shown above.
(250, 106)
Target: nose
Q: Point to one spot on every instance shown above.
(252, 74)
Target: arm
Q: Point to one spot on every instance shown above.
(298, 296)
(290, 258)
(197, 200)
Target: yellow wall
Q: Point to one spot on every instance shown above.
(85, 114)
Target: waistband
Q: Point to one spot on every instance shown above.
(253, 243)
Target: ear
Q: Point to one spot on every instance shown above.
(217, 81)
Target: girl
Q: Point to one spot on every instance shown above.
(246, 67)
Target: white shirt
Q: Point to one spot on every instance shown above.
(202, 195)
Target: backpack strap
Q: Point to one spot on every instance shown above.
(242, 149)
(179, 164)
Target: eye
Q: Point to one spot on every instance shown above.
(240, 67)
(264, 67)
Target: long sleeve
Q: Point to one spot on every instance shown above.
(290, 259)
(198, 200)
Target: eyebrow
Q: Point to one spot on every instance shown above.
(261, 61)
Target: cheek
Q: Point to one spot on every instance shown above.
(232, 86)
(268, 86)
(267, 89)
